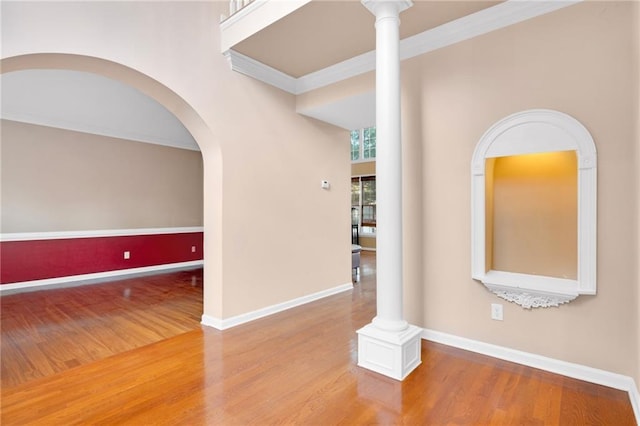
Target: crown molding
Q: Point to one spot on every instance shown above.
(482, 22)
(357, 65)
(255, 69)
(494, 18)
(109, 131)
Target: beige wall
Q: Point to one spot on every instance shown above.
(62, 180)
(259, 198)
(363, 168)
(581, 60)
(635, 112)
(534, 214)
(261, 181)
(563, 61)
(359, 85)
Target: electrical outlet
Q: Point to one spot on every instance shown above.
(496, 311)
(193, 249)
(127, 254)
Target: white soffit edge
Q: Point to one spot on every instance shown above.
(353, 112)
(494, 18)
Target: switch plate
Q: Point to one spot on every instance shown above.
(127, 254)
(496, 312)
(193, 249)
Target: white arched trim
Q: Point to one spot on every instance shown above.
(528, 132)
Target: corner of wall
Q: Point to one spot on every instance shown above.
(636, 38)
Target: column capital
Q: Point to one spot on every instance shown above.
(387, 6)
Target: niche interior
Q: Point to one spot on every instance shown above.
(534, 209)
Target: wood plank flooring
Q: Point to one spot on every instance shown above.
(296, 367)
(50, 331)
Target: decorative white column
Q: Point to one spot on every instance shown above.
(389, 345)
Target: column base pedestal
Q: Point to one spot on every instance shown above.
(392, 353)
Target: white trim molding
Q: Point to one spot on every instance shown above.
(527, 132)
(259, 71)
(252, 18)
(485, 21)
(391, 353)
(238, 15)
(531, 300)
(361, 64)
(223, 324)
(568, 369)
(61, 235)
(96, 277)
(482, 22)
(549, 291)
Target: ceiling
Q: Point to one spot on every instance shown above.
(320, 34)
(324, 32)
(326, 41)
(89, 103)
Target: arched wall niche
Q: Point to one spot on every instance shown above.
(193, 122)
(526, 134)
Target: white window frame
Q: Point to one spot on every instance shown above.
(360, 230)
(361, 158)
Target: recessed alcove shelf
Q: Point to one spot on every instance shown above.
(537, 132)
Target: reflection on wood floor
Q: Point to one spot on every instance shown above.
(47, 332)
(133, 352)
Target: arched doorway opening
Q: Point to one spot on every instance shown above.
(192, 121)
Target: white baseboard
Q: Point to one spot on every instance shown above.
(576, 371)
(634, 396)
(223, 324)
(210, 321)
(94, 278)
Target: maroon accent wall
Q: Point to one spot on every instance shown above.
(40, 259)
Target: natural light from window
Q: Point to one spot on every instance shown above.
(363, 144)
(363, 203)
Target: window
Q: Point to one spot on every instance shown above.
(363, 144)
(355, 145)
(363, 203)
(369, 144)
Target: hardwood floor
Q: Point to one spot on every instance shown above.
(50, 331)
(295, 367)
